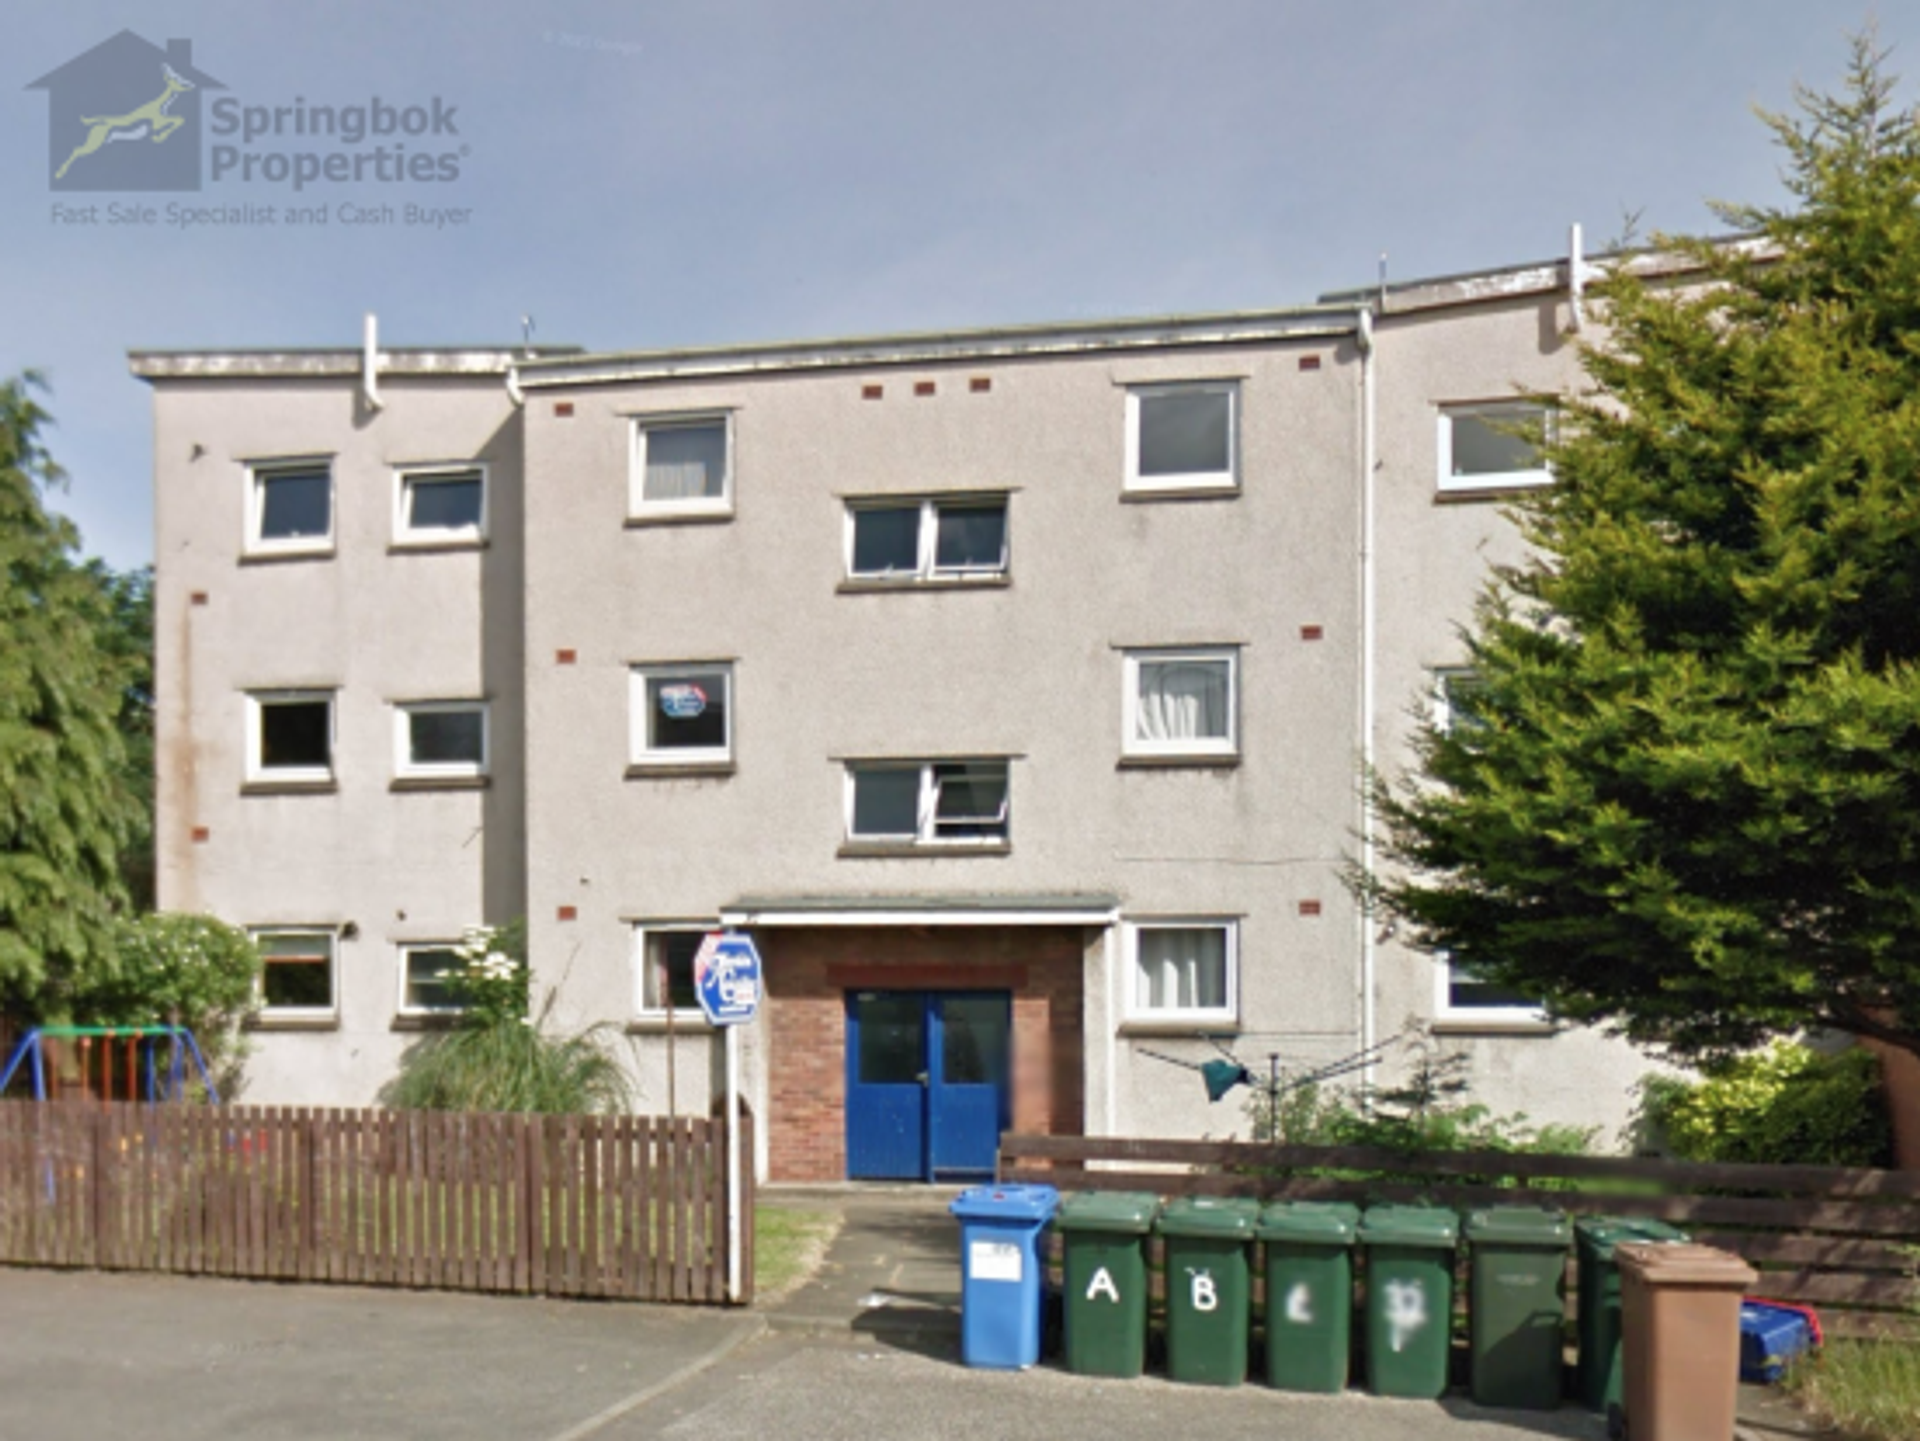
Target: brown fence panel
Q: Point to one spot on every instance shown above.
(624, 1206)
(1840, 1238)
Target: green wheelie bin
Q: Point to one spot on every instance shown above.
(1409, 1253)
(1309, 1254)
(1516, 1303)
(1104, 1271)
(1209, 1287)
(1597, 1307)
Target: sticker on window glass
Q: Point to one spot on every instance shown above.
(994, 1261)
(682, 702)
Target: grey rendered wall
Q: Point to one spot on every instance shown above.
(1435, 555)
(379, 627)
(1032, 671)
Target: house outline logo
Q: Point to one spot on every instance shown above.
(125, 116)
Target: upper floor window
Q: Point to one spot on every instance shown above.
(1181, 703)
(682, 466)
(1456, 697)
(957, 538)
(290, 507)
(290, 736)
(440, 739)
(925, 803)
(1182, 970)
(296, 974)
(1493, 446)
(1183, 437)
(440, 505)
(681, 714)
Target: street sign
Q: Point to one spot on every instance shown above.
(726, 977)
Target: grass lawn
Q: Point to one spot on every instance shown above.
(788, 1246)
(1869, 1389)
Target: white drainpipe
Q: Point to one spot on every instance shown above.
(370, 361)
(1369, 625)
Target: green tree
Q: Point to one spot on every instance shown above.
(65, 808)
(1689, 803)
(128, 639)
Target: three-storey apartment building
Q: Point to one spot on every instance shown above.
(1013, 688)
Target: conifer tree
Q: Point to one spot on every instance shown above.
(65, 808)
(1687, 800)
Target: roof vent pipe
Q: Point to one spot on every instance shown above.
(1576, 277)
(370, 361)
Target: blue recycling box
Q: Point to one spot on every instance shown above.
(1001, 1272)
(1770, 1338)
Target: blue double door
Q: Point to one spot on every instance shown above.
(927, 1082)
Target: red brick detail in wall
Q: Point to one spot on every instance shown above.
(809, 971)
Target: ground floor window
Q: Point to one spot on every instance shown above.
(427, 984)
(296, 973)
(1465, 994)
(1182, 969)
(664, 956)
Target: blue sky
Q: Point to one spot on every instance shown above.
(644, 174)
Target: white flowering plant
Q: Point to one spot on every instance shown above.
(491, 981)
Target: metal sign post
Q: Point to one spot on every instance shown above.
(726, 977)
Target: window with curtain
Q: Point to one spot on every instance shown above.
(682, 467)
(1183, 969)
(1180, 703)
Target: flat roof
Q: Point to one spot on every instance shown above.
(933, 347)
(283, 362)
(1333, 315)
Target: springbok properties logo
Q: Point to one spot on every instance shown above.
(125, 116)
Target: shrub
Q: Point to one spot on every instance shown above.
(1784, 1104)
(497, 1058)
(175, 969)
(1429, 1111)
(511, 1067)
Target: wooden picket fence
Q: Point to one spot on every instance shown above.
(630, 1207)
(1845, 1241)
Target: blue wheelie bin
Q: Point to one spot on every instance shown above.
(1001, 1272)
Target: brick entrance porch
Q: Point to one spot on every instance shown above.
(810, 969)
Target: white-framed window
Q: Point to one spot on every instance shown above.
(1183, 437)
(682, 466)
(290, 507)
(1493, 445)
(1182, 969)
(909, 803)
(961, 537)
(1462, 995)
(663, 955)
(290, 735)
(427, 987)
(440, 739)
(1182, 702)
(1455, 688)
(296, 972)
(681, 714)
(440, 505)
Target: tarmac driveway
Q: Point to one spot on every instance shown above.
(88, 1354)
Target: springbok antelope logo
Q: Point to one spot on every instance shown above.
(150, 122)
